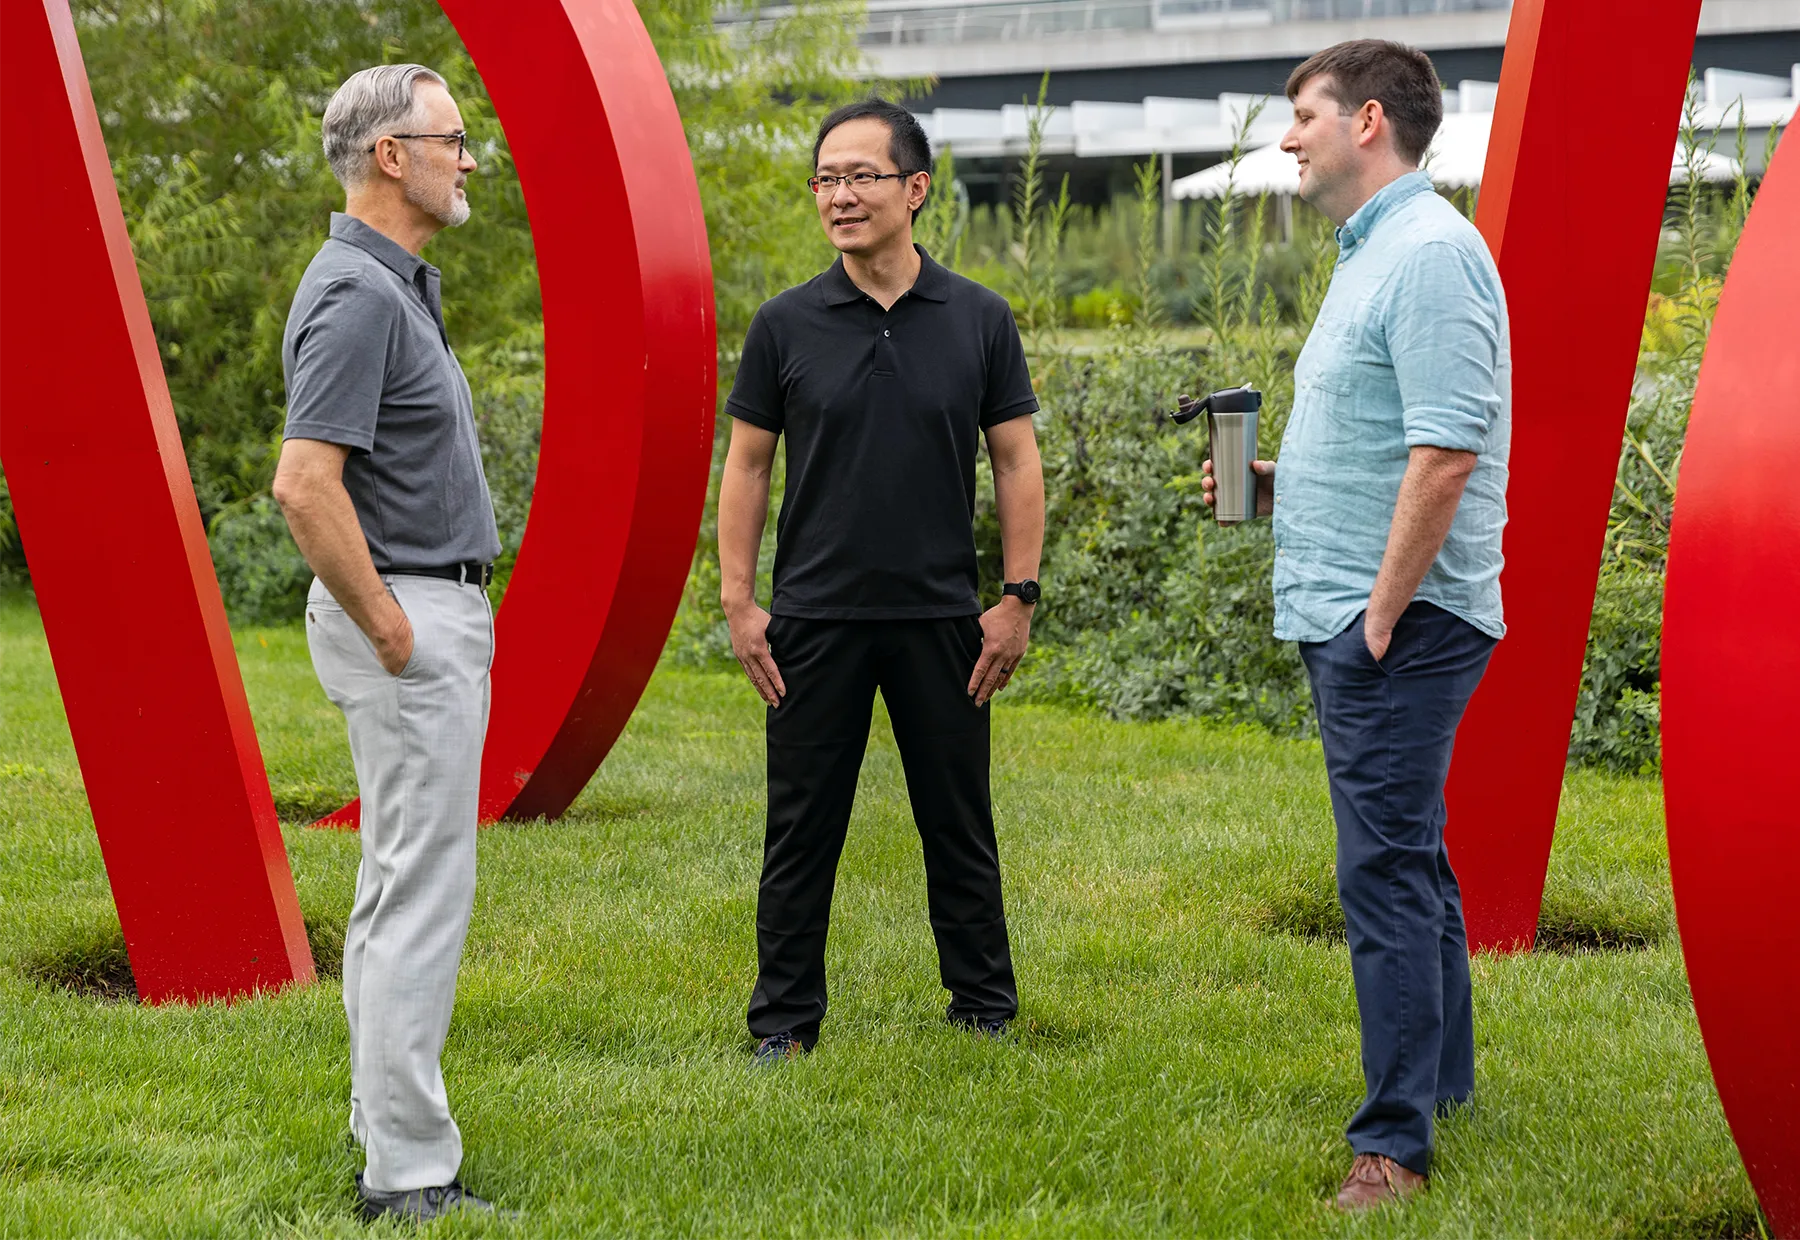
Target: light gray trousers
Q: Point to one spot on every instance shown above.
(416, 740)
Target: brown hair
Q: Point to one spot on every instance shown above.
(1400, 78)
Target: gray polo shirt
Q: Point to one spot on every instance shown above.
(369, 367)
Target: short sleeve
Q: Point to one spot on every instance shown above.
(1445, 323)
(340, 353)
(1008, 393)
(756, 395)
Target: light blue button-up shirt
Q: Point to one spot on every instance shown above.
(1410, 348)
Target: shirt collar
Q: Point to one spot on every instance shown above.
(933, 283)
(393, 255)
(1357, 228)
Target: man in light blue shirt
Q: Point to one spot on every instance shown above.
(1388, 506)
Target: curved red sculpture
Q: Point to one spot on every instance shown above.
(119, 561)
(107, 513)
(629, 387)
(1577, 270)
(1731, 783)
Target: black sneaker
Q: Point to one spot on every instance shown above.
(777, 1049)
(419, 1205)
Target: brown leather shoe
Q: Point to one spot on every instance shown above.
(1375, 1180)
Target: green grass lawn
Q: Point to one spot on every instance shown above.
(1184, 1063)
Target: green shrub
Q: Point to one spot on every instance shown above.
(261, 574)
(1101, 306)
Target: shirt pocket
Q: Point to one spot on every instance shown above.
(1328, 362)
(1324, 389)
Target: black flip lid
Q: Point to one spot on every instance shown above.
(1241, 399)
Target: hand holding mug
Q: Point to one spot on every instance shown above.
(1265, 487)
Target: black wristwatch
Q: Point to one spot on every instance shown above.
(1026, 591)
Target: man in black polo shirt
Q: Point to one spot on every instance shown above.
(884, 372)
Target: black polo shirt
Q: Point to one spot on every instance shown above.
(883, 412)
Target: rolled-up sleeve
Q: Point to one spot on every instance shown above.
(1444, 324)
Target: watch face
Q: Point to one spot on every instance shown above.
(1029, 591)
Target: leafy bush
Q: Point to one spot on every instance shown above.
(1618, 714)
(1101, 306)
(260, 571)
(1154, 609)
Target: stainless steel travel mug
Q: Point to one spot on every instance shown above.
(1231, 417)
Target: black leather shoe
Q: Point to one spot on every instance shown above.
(419, 1205)
(777, 1049)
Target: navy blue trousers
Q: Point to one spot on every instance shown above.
(1387, 729)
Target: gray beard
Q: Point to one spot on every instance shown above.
(445, 207)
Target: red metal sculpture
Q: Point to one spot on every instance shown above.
(106, 510)
(630, 386)
(1731, 783)
(1577, 269)
(108, 516)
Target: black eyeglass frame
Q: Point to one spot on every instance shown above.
(461, 136)
(813, 183)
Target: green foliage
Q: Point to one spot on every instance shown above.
(943, 225)
(260, 572)
(1156, 611)
(1102, 306)
(1099, 251)
(751, 102)
(211, 116)
(1618, 714)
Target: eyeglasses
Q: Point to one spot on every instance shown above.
(856, 181)
(460, 137)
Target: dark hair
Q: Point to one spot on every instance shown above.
(1400, 78)
(908, 146)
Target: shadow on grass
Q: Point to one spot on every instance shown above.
(1574, 923)
(94, 964)
(1701, 1220)
(307, 802)
(1305, 905)
(1039, 1032)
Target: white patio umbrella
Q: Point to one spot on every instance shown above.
(1455, 161)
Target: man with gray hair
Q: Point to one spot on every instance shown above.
(381, 482)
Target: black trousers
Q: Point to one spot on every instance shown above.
(816, 739)
(1388, 730)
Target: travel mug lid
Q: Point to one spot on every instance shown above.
(1240, 399)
